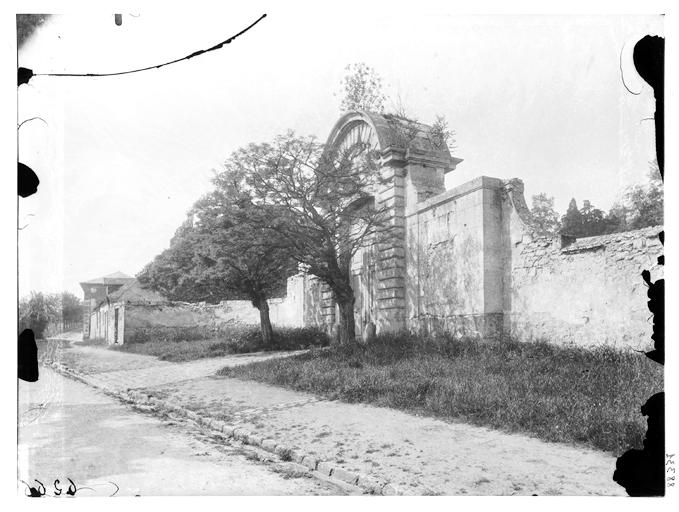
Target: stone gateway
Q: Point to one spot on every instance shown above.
(466, 260)
(469, 260)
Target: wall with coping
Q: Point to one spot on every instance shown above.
(454, 261)
(141, 322)
(585, 292)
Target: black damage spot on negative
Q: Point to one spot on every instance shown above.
(23, 76)
(27, 368)
(642, 472)
(656, 305)
(27, 181)
(649, 60)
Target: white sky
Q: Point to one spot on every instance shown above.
(123, 158)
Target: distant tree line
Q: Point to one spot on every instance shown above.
(42, 312)
(641, 206)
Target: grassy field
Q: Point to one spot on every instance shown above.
(236, 341)
(557, 394)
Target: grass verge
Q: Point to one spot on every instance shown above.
(555, 393)
(238, 340)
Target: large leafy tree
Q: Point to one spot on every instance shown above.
(71, 308)
(323, 200)
(593, 220)
(586, 221)
(221, 253)
(171, 273)
(641, 205)
(645, 202)
(545, 217)
(239, 253)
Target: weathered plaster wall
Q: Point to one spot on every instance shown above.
(454, 261)
(102, 322)
(288, 311)
(183, 321)
(589, 292)
(190, 321)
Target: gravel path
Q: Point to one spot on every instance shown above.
(420, 455)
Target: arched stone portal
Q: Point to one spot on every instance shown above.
(412, 163)
(469, 261)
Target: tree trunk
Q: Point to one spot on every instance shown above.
(265, 323)
(347, 325)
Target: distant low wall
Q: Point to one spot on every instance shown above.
(185, 321)
(588, 292)
(173, 321)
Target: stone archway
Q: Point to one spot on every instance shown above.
(411, 168)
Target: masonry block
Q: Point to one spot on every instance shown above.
(310, 462)
(269, 445)
(325, 468)
(393, 282)
(390, 293)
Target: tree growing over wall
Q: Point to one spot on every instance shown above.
(171, 272)
(545, 216)
(362, 89)
(223, 252)
(571, 222)
(644, 203)
(593, 220)
(238, 251)
(583, 222)
(641, 206)
(323, 199)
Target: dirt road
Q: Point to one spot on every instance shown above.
(69, 430)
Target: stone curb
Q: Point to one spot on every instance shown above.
(328, 470)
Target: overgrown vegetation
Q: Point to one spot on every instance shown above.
(239, 340)
(288, 204)
(362, 89)
(47, 314)
(556, 393)
(640, 206)
(224, 251)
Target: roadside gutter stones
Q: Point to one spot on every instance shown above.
(152, 404)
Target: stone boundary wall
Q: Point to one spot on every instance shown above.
(454, 262)
(586, 291)
(184, 321)
(142, 322)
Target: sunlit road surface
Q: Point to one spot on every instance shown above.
(69, 430)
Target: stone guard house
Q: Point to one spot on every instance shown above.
(96, 290)
(107, 318)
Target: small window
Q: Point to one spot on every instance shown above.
(93, 290)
